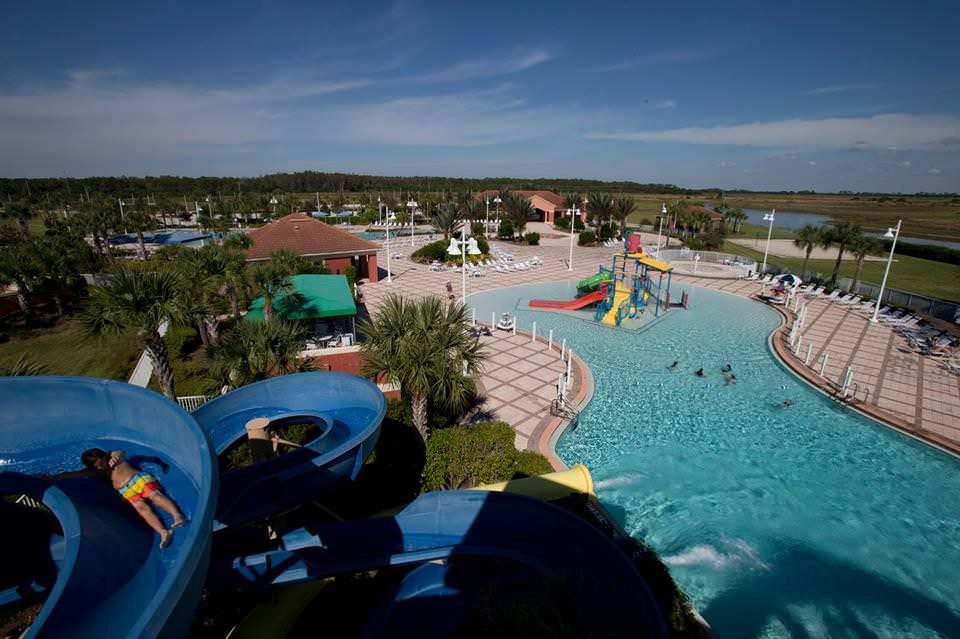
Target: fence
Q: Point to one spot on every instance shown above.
(191, 403)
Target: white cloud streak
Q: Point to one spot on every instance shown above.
(900, 130)
(842, 88)
(662, 57)
(486, 67)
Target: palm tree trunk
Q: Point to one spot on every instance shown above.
(806, 258)
(142, 246)
(623, 226)
(419, 406)
(234, 303)
(58, 300)
(24, 229)
(856, 273)
(202, 330)
(157, 351)
(836, 267)
(98, 243)
(268, 306)
(25, 302)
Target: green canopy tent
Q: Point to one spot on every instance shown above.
(313, 297)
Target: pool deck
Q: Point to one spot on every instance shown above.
(907, 390)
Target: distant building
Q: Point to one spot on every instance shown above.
(547, 204)
(716, 219)
(317, 241)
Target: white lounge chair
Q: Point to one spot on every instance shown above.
(817, 292)
(845, 299)
(832, 296)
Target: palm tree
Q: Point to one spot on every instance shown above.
(843, 234)
(808, 238)
(601, 208)
(272, 279)
(444, 220)
(252, 351)
(422, 345)
(738, 217)
(201, 272)
(141, 301)
(19, 265)
(701, 220)
(623, 207)
(520, 210)
(861, 247)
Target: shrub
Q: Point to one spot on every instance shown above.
(477, 229)
(350, 271)
(464, 456)
(712, 241)
(483, 245)
(181, 341)
(430, 252)
(587, 238)
(608, 230)
(646, 221)
(532, 239)
(578, 224)
(561, 223)
(505, 232)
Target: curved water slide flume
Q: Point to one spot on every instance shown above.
(353, 407)
(109, 578)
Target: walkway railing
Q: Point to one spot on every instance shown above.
(191, 403)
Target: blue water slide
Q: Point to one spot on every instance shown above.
(84, 553)
(459, 544)
(347, 409)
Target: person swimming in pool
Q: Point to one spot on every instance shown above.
(726, 368)
(787, 403)
(673, 367)
(700, 373)
(731, 378)
(137, 487)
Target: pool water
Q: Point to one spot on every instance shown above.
(809, 521)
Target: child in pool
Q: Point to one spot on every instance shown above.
(137, 487)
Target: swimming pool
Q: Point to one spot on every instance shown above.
(807, 521)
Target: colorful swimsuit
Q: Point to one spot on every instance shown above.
(139, 487)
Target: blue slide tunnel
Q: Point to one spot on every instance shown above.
(72, 542)
(347, 412)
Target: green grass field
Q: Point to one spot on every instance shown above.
(62, 350)
(912, 274)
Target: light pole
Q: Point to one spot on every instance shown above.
(572, 213)
(663, 213)
(273, 202)
(412, 205)
(486, 218)
(768, 217)
(123, 220)
(389, 216)
(462, 248)
(497, 201)
(893, 234)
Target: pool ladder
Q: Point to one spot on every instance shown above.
(561, 408)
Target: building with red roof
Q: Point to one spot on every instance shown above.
(317, 241)
(548, 204)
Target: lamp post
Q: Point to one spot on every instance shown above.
(497, 201)
(663, 213)
(462, 248)
(273, 202)
(768, 217)
(894, 234)
(412, 205)
(486, 217)
(572, 213)
(123, 220)
(389, 216)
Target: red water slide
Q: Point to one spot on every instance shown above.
(580, 302)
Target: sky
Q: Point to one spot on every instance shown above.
(859, 96)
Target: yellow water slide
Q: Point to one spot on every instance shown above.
(622, 293)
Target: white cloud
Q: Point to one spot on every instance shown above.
(518, 61)
(812, 162)
(726, 164)
(841, 88)
(904, 131)
(934, 171)
(904, 164)
(665, 104)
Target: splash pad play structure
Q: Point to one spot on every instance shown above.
(81, 560)
(633, 284)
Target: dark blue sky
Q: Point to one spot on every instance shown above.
(826, 96)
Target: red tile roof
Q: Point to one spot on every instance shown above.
(549, 196)
(307, 237)
(696, 208)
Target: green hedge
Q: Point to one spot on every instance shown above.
(533, 239)
(925, 251)
(505, 231)
(464, 456)
(438, 251)
(587, 238)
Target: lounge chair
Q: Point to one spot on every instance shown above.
(817, 292)
(845, 299)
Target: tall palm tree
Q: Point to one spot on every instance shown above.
(623, 207)
(520, 211)
(601, 208)
(422, 345)
(843, 234)
(141, 301)
(701, 220)
(272, 279)
(444, 220)
(738, 218)
(861, 247)
(19, 265)
(252, 351)
(19, 212)
(808, 238)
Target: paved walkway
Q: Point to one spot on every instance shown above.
(901, 387)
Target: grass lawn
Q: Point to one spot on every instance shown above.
(910, 274)
(62, 350)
